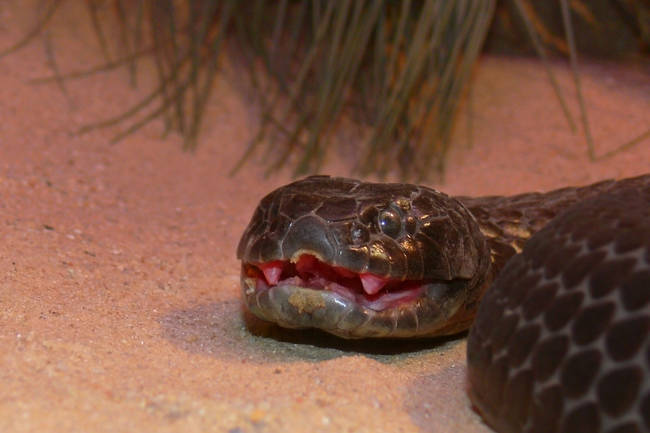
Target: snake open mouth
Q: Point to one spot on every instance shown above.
(369, 290)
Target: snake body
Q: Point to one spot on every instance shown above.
(561, 341)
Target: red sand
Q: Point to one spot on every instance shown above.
(119, 287)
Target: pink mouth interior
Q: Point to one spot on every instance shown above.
(370, 290)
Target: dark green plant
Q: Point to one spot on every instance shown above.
(397, 67)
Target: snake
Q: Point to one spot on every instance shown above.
(554, 287)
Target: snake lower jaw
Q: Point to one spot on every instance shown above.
(293, 306)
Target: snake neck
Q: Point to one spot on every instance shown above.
(508, 222)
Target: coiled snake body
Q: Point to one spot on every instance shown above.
(561, 341)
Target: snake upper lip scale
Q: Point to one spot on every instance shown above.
(359, 259)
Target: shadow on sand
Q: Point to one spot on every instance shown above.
(226, 330)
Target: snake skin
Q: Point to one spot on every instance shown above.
(336, 219)
(561, 342)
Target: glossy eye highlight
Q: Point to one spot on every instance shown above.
(390, 222)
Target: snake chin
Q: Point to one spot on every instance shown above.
(311, 293)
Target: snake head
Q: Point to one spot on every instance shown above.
(374, 247)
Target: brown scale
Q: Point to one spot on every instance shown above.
(561, 341)
(509, 221)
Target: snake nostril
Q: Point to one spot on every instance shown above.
(358, 234)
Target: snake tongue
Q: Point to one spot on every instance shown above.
(272, 271)
(372, 283)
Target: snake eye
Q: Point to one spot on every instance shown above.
(390, 222)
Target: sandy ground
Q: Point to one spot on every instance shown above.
(119, 286)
